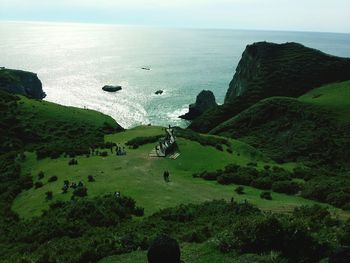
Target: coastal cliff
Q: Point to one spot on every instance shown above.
(268, 69)
(21, 82)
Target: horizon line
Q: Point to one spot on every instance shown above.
(169, 26)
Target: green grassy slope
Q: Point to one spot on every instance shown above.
(312, 127)
(333, 97)
(42, 112)
(27, 123)
(141, 177)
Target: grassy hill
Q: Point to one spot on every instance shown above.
(141, 177)
(334, 97)
(28, 123)
(311, 128)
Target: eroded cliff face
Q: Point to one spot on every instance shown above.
(21, 82)
(290, 69)
(247, 70)
(267, 70)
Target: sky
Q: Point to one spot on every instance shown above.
(291, 15)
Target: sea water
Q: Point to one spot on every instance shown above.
(74, 61)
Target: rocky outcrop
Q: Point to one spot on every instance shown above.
(205, 100)
(21, 82)
(290, 69)
(109, 88)
(268, 69)
(159, 92)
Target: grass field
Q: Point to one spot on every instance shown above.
(335, 97)
(42, 111)
(141, 177)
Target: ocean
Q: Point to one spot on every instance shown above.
(74, 61)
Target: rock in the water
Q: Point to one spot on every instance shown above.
(205, 101)
(111, 88)
(159, 92)
(21, 82)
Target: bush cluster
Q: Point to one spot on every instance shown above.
(139, 141)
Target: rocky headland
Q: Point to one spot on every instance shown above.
(21, 82)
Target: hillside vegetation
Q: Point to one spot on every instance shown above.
(27, 123)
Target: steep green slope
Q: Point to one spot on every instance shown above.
(267, 70)
(334, 97)
(49, 126)
(290, 130)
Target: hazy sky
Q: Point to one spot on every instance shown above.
(300, 15)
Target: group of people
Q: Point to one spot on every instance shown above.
(120, 150)
(164, 144)
(73, 185)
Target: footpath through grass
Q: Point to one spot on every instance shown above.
(141, 177)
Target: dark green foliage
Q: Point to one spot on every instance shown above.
(139, 141)
(203, 140)
(266, 195)
(73, 162)
(287, 187)
(52, 179)
(264, 182)
(332, 189)
(91, 178)
(239, 190)
(139, 211)
(41, 175)
(38, 185)
(80, 191)
(104, 154)
(86, 230)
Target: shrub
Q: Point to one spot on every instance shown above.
(338, 199)
(91, 178)
(52, 179)
(40, 175)
(262, 183)
(287, 187)
(211, 176)
(80, 191)
(138, 141)
(73, 162)
(219, 147)
(239, 190)
(104, 154)
(38, 185)
(253, 235)
(139, 211)
(266, 195)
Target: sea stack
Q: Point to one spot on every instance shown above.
(205, 100)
